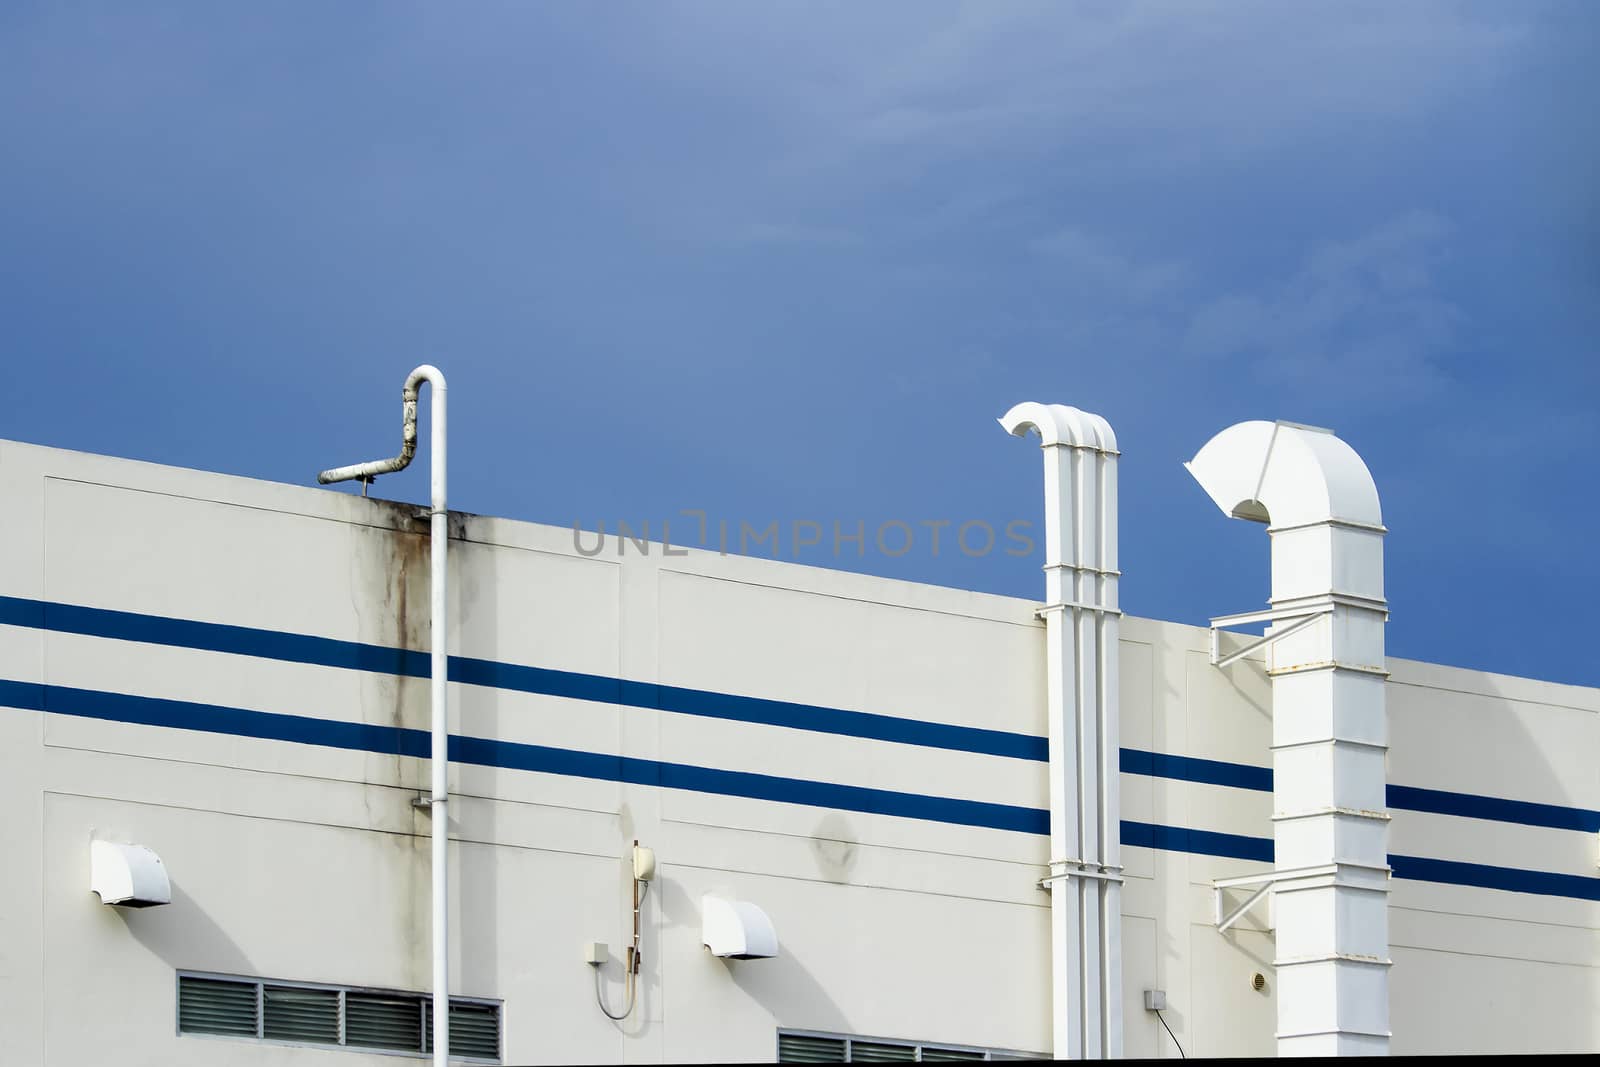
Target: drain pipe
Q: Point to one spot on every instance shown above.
(1082, 624)
(1330, 729)
(438, 803)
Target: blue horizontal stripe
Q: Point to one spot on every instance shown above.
(1511, 879)
(1401, 797)
(211, 637)
(1495, 809)
(1197, 842)
(403, 741)
(354, 655)
(1191, 769)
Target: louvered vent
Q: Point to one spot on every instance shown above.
(216, 1006)
(332, 1015)
(474, 1029)
(375, 1020)
(296, 1014)
(800, 1048)
(880, 1052)
(949, 1054)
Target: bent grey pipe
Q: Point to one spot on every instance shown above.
(408, 432)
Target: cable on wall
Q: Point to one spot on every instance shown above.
(1181, 1054)
(644, 869)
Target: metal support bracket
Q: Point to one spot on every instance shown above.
(1069, 605)
(1267, 883)
(1060, 870)
(1298, 619)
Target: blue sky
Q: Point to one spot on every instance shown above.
(790, 261)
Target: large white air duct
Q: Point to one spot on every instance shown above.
(1329, 725)
(1082, 622)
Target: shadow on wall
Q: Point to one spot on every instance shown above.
(183, 936)
(1214, 1007)
(1449, 992)
(782, 986)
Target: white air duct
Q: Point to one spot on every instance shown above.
(129, 876)
(736, 929)
(1082, 623)
(1329, 725)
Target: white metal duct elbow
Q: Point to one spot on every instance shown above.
(129, 876)
(1287, 475)
(1058, 424)
(736, 929)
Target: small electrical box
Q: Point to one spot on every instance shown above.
(595, 953)
(1155, 1000)
(644, 863)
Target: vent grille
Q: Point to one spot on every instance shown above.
(217, 1006)
(841, 1048)
(474, 1029)
(800, 1048)
(305, 1014)
(373, 1020)
(293, 1013)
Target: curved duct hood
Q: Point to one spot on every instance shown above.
(1307, 474)
(736, 929)
(129, 876)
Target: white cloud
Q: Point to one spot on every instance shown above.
(839, 109)
(1090, 263)
(1226, 75)
(1362, 314)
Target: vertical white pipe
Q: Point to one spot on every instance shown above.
(1086, 619)
(1066, 894)
(439, 684)
(438, 667)
(1110, 749)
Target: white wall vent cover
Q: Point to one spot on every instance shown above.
(130, 876)
(736, 929)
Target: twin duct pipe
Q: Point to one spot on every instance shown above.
(1082, 624)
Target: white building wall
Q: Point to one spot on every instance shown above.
(307, 861)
